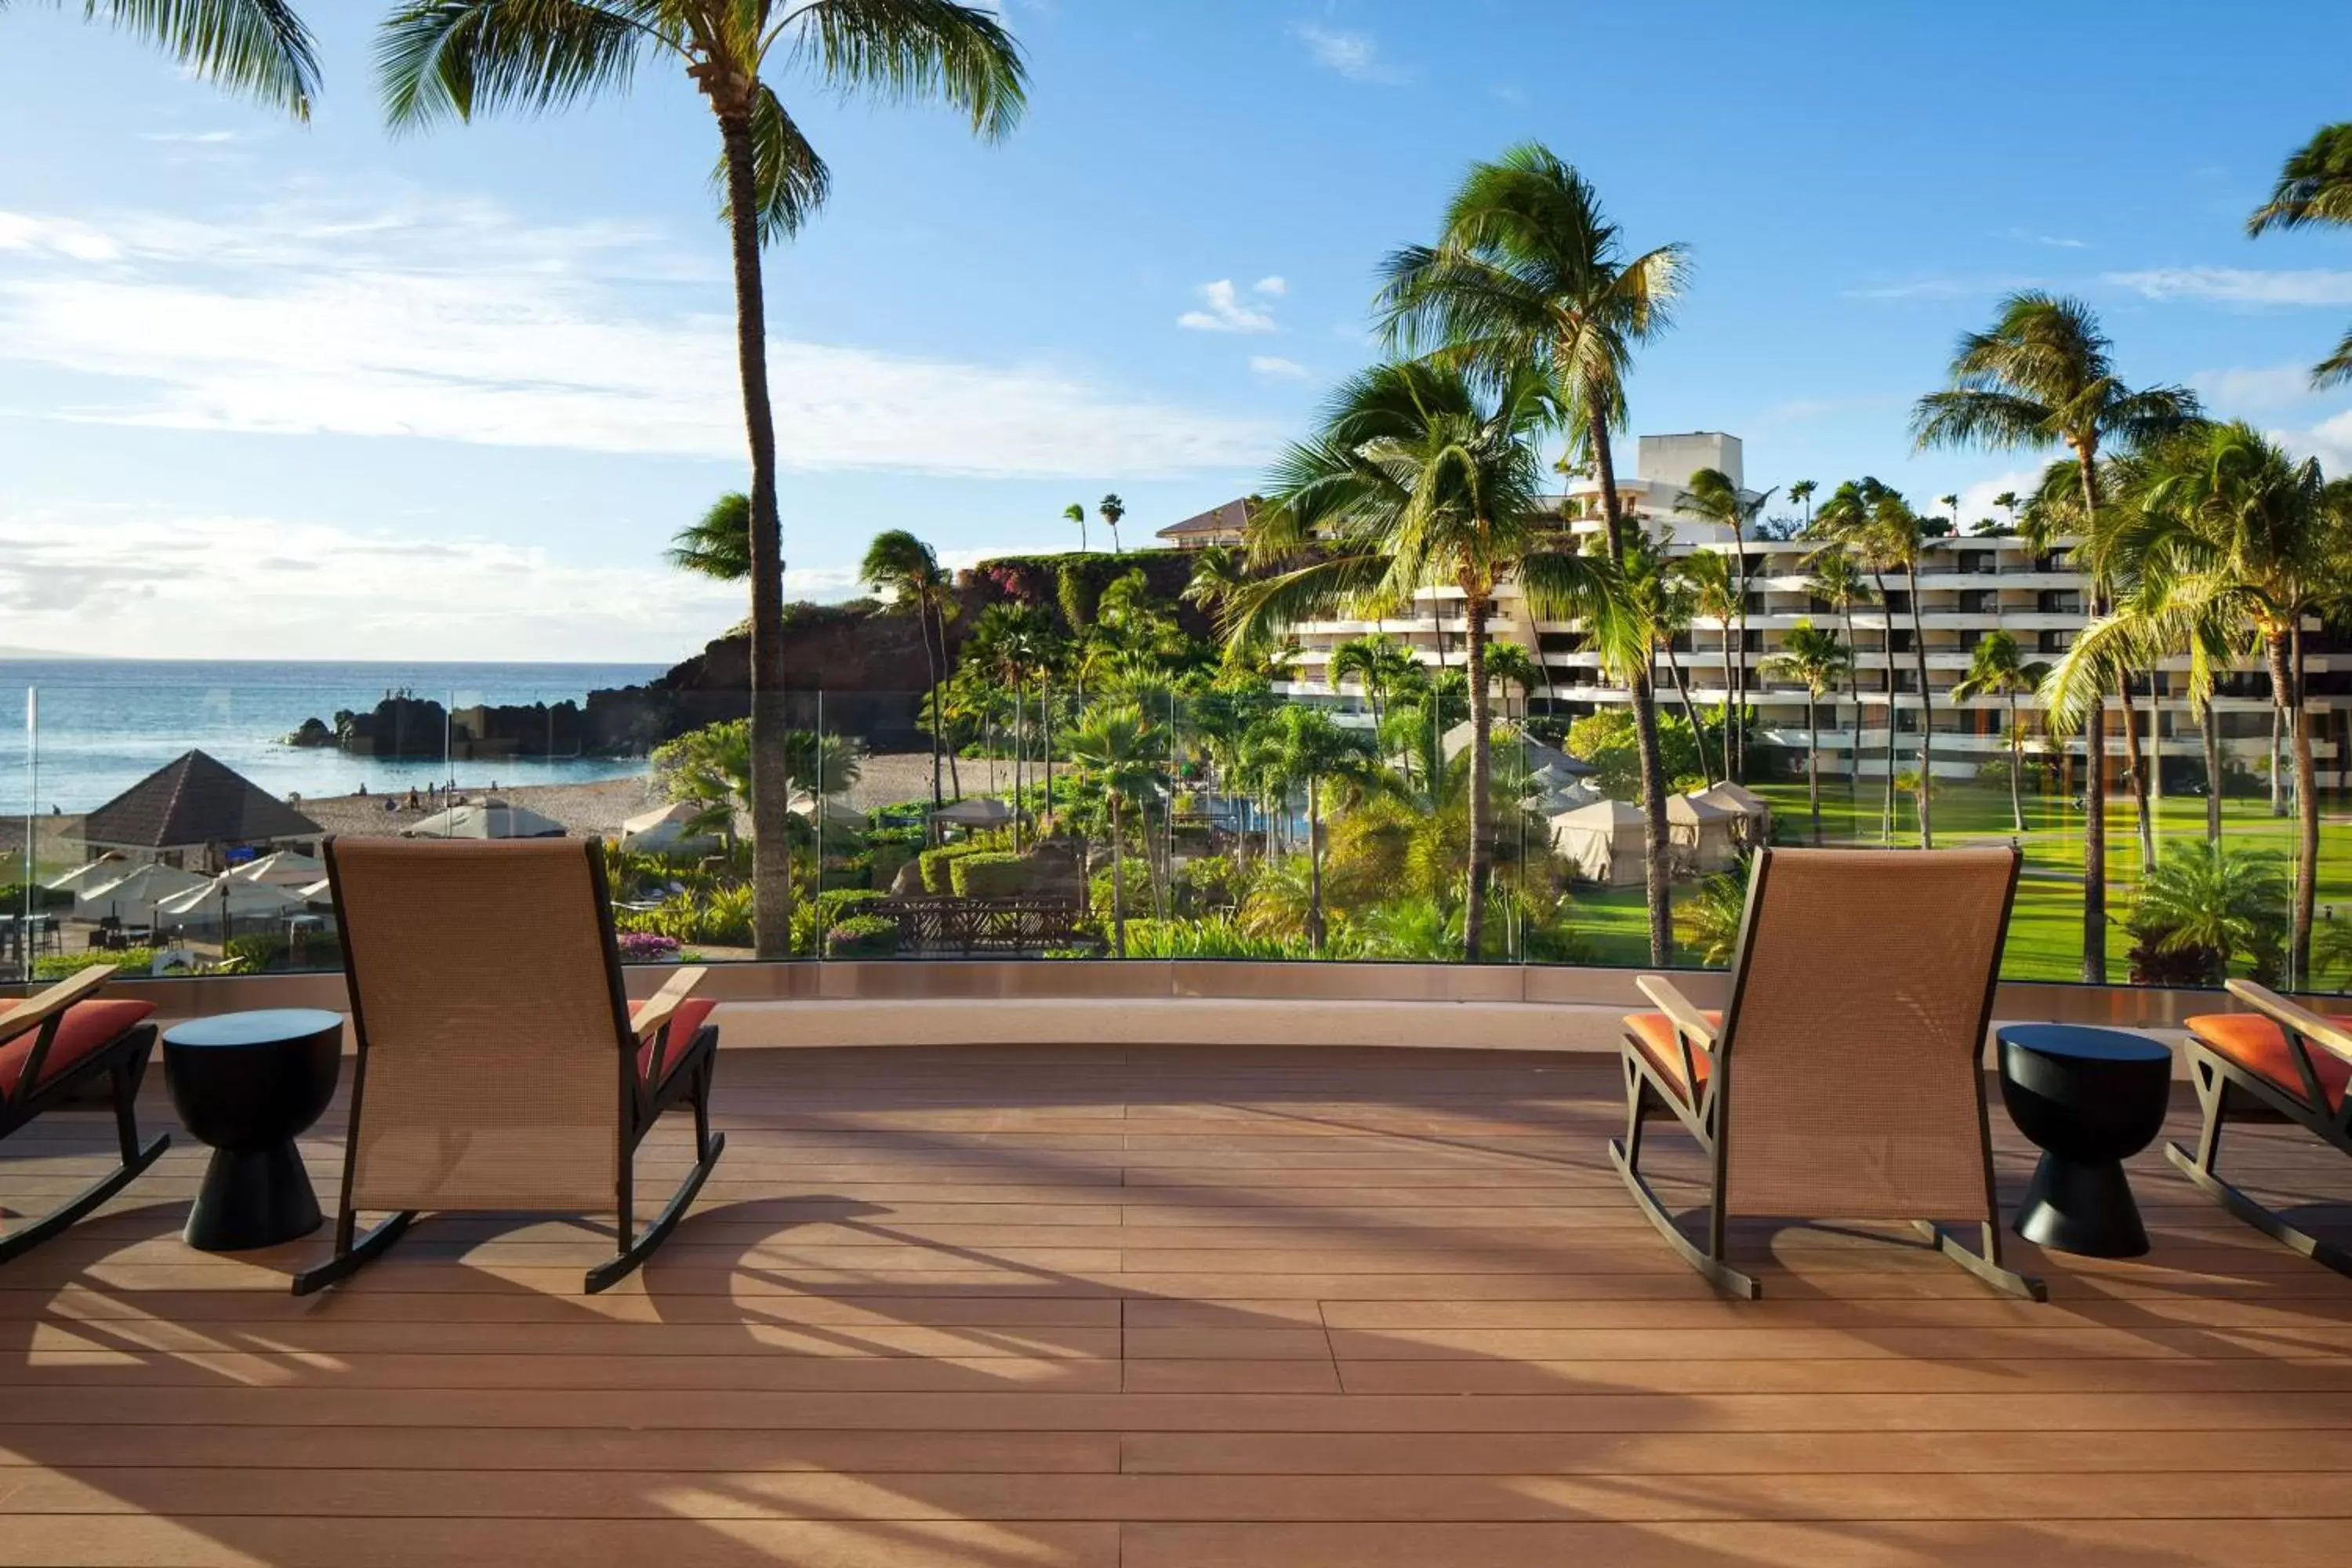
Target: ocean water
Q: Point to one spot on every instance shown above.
(104, 724)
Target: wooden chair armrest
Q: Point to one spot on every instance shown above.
(2329, 1037)
(1687, 1016)
(664, 1003)
(39, 1009)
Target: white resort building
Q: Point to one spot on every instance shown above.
(1969, 586)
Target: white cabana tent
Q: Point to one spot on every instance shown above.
(836, 815)
(491, 819)
(979, 811)
(285, 869)
(107, 867)
(1751, 813)
(133, 895)
(226, 898)
(1603, 842)
(663, 831)
(1701, 833)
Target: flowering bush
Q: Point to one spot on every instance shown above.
(648, 947)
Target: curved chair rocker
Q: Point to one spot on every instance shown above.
(500, 1067)
(1845, 1080)
(2278, 1063)
(57, 1042)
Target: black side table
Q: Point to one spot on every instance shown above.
(2090, 1100)
(249, 1084)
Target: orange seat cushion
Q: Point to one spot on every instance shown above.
(684, 1024)
(1654, 1033)
(2259, 1046)
(83, 1028)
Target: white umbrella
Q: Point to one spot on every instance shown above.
(666, 828)
(135, 892)
(979, 811)
(491, 819)
(285, 869)
(228, 898)
(838, 816)
(106, 869)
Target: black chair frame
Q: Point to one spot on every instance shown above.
(123, 1061)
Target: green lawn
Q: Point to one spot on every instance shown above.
(2045, 935)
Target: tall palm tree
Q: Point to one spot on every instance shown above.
(2241, 543)
(1802, 492)
(1715, 596)
(1075, 513)
(1425, 476)
(1815, 660)
(1528, 270)
(1509, 665)
(257, 48)
(1219, 572)
(1997, 667)
(1901, 534)
(1112, 509)
(1120, 749)
(909, 570)
(1838, 581)
(2007, 501)
(2314, 186)
(1852, 520)
(1298, 746)
(1656, 585)
(1712, 495)
(1951, 505)
(2043, 376)
(457, 58)
(1377, 662)
(719, 543)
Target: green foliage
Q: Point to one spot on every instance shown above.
(265, 952)
(721, 917)
(1606, 739)
(837, 904)
(11, 898)
(989, 874)
(2227, 905)
(1213, 937)
(1706, 923)
(60, 965)
(938, 866)
(862, 936)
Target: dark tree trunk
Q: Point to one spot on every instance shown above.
(1813, 761)
(2016, 766)
(771, 854)
(2210, 724)
(2095, 773)
(1658, 875)
(2135, 763)
(1482, 823)
(1734, 745)
(2284, 652)
(1315, 931)
(1927, 717)
(933, 657)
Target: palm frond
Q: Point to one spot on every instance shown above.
(258, 47)
(455, 59)
(2314, 185)
(911, 51)
(792, 180)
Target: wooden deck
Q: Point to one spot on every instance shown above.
(1173, 1308)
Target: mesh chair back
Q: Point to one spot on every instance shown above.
(1852, 1086)
(488, 998)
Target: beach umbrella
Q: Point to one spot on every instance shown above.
(285, 869)
(490, 819)
(107, 867)
(226, 899)
(665, 830)
(134, 892)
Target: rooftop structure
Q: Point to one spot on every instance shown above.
(192, 809)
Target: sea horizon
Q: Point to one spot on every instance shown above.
(103, 724)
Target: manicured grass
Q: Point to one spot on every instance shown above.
(2045, 935)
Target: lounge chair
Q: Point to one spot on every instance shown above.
(56, 1045)
(2278, 1062)
(1844, 1081)
(500, 1068)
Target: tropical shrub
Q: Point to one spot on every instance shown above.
(1707, 923)
(60, 965)
(862, 936)
(989, 874)
(722, 918)
(1217, 937)
(1424, 929)
(938, 876)
(837, 904)
(11, 898)
(648, 947)
(261, 951)
(2220, 906)
(1606, 739)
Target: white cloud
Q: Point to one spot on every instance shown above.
(2330, 441)
(191, 138)
(2240, 285)
(453, 320)
(2028, 237)
(1516, 96)
(142, 582)
(1276, 365)
(1976, 499)
(1275, 284)
(1356, 56)
(1223, 311)
(2242, 387)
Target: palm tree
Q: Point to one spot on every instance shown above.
(1509, 665)
(1528, 270)
(1715, 596)
(909, 571)
(1378, 662)
(1802, 492)
(1112, 509)
(720, 544)
(1219, 572)
(711, 769)
(2236, 540)
(1998, 669)
(1297, 746)
(1009, 643)
(1951, 505)
(257, 48)
(1712, 495)
(1657, 584)
(1815, 660)
(1425, 476)
(1075, 513)
(444, 58)
(2007, 501)
(1852, 520)
(2203, 899)
(2043, 376)
(2314, 186)
(1900, 534)
(1119, 748)
(1838, 581)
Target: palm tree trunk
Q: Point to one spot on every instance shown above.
(1117, 882)
(2210, 723)
(2016, 764)
(2286, 680)
(2136, 763)
(932, 659)
(1886, 650)
(1926, 717)
(1813, 761)
(1690, 715)
(1731, 689)
(1657, 875)
(1854, 693)
(1481, 826)
(2278, 741)
(772, 861)
(1314, 866)
(1734, 745)
(2094, 764)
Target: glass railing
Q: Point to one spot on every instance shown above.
(169, 818)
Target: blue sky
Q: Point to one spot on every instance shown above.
(268, 391)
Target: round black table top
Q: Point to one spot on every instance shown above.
(2083, 1043)
(269, 1028)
